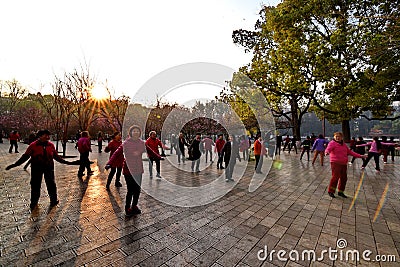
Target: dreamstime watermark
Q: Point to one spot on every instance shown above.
(339, 254)
(202, 75)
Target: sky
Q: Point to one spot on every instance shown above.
(123, 42)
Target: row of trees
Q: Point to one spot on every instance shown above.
(211, 118)
(358, 127)
(338, 59)
(70, 107)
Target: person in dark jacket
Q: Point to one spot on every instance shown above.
(392, 148)
(195, 153)
(287, 142)
(230, 152)
(100, 141)
(42, 153)
(359, 149)
(306, 145)
(278, 144)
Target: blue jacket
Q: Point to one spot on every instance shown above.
(319, 144)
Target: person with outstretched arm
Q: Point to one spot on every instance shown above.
(338, 153)
(42, 153)
(374, 151)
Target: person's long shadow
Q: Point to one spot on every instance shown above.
(50, 231)
(114, 203)
(76, 211)
(129, 232)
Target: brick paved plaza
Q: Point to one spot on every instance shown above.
(291, 210)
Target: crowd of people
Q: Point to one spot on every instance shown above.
(339, 152)
(126, 157)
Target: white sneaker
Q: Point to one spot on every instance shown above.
(350, 163)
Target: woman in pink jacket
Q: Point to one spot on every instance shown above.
(338, 152)
(132, 150)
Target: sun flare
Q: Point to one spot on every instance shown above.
(99, 93)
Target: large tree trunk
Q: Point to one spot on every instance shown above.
(295, 120)
(346, 130)
(296, 130)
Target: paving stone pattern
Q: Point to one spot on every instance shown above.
(290, 211)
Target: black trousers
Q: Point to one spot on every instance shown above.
(353, 159)
(376, 159)
(307, 150)
(133, 183)
(85, 163)
(13, 143)
(278, 149)
(100, 144)
(220, 159)
(36, 184)
(259, 163)
(111, 175)
(392, 152)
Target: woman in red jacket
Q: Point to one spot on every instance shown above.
(258, 153)
(42, 153)
(84, 148)
(152, 144)
(219, 144)
(14, 137)
(112, 147)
